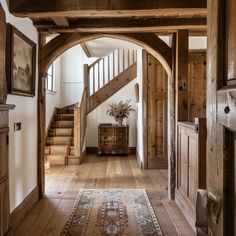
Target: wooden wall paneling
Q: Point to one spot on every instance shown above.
(226, 95)
(191, 165)
(197, 85)
(230, 41)
(157, 114)
(3, 83)
(4, 169)
(4, 184)
(215, 132)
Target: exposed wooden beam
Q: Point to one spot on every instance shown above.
(86, 50)
(161, 29)
(60, 21)
(123, 25)
(106, 8)
(182, 89)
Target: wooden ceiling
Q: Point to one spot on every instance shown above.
(63, 16)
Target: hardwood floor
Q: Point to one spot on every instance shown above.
(64, 182)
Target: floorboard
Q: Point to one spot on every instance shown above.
(64, 182)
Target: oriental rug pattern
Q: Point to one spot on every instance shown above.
(112, 212)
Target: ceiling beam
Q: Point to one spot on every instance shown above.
(107, 8)
(123, 25)
(86, 50)
(60, 21)
(161, 29)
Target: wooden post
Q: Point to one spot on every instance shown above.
(86, 79)
(118, 64)
(103, 71)
(108, 68)
(98, 75)
(182, 103)
(93, 78)
(77, 127)
(41, 121)
(113, 64)
(123, 59)
(171, 124)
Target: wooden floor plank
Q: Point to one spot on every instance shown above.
(50, 214)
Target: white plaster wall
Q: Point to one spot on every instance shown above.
(99, 115)
(197, 42)
(54, 99)
(72, 74)
(139, 108)
(23, 143)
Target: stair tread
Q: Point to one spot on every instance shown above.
(60, 155)
(64, 121)
(65, 114)
(60, 137)
(59, 145)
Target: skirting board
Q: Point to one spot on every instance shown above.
(26, 205)
(185, 209)
(94, 150)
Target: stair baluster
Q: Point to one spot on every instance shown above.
(116, 62)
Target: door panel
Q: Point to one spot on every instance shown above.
(157, 114)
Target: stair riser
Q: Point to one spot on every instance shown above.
(57, 160)
(72, 151)
(62, 124)
(53, 150)
(61, 132)
(63, 118)
(60, 141)
(73, 161)
(65, 111)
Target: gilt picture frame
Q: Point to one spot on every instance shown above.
(21, 63)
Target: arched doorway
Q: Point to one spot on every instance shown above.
(152, 43)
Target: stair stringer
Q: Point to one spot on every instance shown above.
(111, 87)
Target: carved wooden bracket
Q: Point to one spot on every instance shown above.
(226, 107)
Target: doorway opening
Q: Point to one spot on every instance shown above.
(93, 119)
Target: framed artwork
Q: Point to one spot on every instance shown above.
(21, 60)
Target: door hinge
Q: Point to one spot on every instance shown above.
(7, 140)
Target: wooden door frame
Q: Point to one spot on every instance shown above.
(150, 42)
(170, 121)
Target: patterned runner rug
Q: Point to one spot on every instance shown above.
(112, 212)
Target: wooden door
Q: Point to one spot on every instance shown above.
(156, 114)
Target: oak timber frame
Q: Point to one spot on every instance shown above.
(150, 42)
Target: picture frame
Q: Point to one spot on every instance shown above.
(21, 63)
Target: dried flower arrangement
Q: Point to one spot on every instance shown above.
(120, 110)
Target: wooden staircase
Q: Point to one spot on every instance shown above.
(109, 74)
(65, 142)
(59, 147)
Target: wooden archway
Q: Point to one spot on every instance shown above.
(150, 42)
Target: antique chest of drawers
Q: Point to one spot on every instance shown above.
(113, 139)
